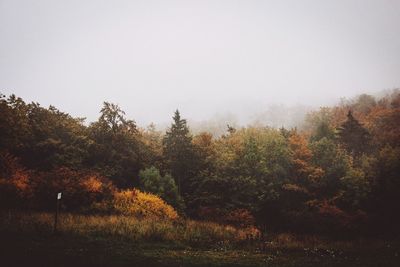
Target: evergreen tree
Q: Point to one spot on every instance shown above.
(179, 152)
(353, 136)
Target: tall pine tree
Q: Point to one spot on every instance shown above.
(179, 152)
(353, 136)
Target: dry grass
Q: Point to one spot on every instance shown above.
(179, 232)
(186, 232)
(113, 240)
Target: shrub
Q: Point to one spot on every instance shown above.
(142, 205)
(162, 186)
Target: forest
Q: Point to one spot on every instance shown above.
(339, 172)
(336, 175)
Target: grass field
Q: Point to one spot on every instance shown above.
(84, 240)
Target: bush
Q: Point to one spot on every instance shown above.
(142, 205)
(163, 186)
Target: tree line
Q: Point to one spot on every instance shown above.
(338, 173)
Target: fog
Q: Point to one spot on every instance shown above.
(231, 61)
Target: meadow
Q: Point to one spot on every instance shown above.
(84, 240)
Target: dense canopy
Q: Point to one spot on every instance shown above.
(338, 172)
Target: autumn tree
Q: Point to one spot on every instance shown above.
(301, 156)
(384, 121)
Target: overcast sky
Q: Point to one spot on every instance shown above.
(203, 57)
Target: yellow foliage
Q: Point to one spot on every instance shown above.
(134, 202)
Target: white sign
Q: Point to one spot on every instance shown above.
(59, 196)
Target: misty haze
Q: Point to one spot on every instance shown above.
(202, 57)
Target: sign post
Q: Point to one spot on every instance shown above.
(56, 215)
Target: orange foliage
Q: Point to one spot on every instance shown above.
(328, 210)
(301, 158)
(92, 184)
(80, 188)
(203, 140)
(15, 186)
(204, 144)
(301, 154)
(384, 124)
